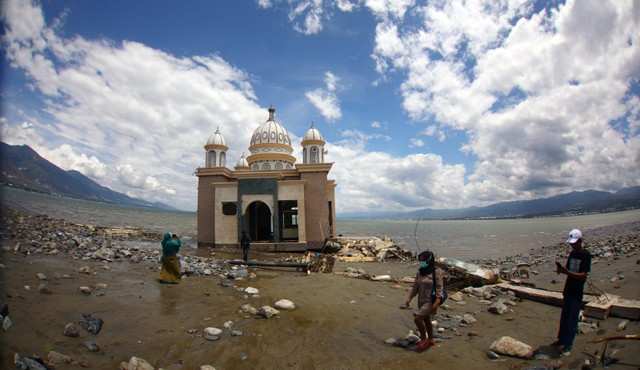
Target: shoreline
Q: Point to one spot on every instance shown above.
(344, 320)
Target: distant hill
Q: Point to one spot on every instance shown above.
(576, 202)
(22, 167)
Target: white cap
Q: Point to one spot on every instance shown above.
(574, 236)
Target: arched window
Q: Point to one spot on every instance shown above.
(223, 159)
(266, 166)
(212, 159)
(314, 155)
(305, 160)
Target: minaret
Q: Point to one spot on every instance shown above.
(216, 150)
(313, 146)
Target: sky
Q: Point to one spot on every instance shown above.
(424, 104)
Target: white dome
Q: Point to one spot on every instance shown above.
(313, 134)
(217, 139)
(242, 162)
(270, 132)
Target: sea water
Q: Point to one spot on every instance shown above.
(464, 239)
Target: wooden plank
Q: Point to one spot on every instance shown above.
(626, 309)
(533, 294)
(595, 306)
(356, 259)
(599, 308)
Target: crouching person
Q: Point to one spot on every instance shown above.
(429, 289)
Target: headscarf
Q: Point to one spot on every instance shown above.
(427, 263)
(165, 239)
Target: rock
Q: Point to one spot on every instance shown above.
(512, 347)
(41, 276)
(85, 290)
(492, 355)
(91, 324)
(104, 253)
(71, 330)
(381, 278)
(285, 304)
(457, 297)
(251, 290)
(623, 325)
(542, 357)
(236, 333)
(55, 358)
(136, 363)
(498, 307)
(43, 288)
(587, 327)
(267, 312)
(91, 345)
(212, 333)
(247, 308)
(29, 363)
(226, 283)
(207, 367)
(6, 323)
(85, 270)
(390, 341)
(468, 319)
(101, 286)
(228, 324)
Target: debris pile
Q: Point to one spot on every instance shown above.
(370, 249)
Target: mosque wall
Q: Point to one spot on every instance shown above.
(317, 210)
(226, 226)
(205, 215)
(295, 190)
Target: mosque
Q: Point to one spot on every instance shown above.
(281, 205)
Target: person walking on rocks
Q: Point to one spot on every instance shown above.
(429, 299)
(245, 243)
(577, 269)
(170, 272)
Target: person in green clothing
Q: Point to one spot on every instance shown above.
(170, 272)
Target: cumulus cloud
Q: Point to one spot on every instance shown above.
(325, 99)
(107, 102)
(415, 143)
(535, 91)
(376, 124)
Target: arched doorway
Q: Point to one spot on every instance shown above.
(258, 222)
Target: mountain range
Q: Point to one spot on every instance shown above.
(577, 202)
(22, 167)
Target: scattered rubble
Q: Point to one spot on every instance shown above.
(136, 363)
(91, 324)
(212, 334)
(359, 249)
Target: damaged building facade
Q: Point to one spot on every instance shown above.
(281, 205)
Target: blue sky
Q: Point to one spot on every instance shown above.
(423, 103)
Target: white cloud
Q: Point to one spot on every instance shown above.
(125, 104)
(376, 124)
(265, 4)
(415, 143)
(325, 99)
(570, 78)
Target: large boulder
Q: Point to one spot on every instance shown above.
(512, 347)
(498, 307)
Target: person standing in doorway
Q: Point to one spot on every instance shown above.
(577, 270)
(245, 243)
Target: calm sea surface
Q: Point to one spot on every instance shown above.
(456, 238)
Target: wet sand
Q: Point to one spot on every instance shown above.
(340, 322)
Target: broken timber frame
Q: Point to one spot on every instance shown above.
(599, 307)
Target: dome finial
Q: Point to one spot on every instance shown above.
(272, 113)
(218, 129)
(312, 124)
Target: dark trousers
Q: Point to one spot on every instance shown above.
(245, 254)
(569, 320)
